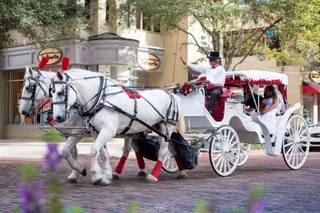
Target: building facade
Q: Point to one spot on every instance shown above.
(138, 52)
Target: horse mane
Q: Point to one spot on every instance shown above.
(83, 73)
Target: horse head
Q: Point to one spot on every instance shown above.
(35, 87)
(63, 96)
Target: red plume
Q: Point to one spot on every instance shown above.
(43, 62)
(65, 63)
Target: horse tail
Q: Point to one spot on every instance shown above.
(181, 126)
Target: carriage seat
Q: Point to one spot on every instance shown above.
(218, 113)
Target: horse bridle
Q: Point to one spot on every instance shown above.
(65, 85)
(32, 88)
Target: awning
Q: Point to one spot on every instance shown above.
(311, 88)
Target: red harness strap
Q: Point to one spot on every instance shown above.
(130, 93)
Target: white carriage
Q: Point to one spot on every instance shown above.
(230, 124)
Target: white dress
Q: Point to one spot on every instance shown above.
(269, 119)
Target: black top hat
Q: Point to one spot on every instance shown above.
(214, 55)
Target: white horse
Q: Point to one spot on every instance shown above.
(117, 115)
(35, 88)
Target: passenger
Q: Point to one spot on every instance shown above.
(251, 99)
(270, 100)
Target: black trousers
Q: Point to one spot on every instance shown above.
(214, 93)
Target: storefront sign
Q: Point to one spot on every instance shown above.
(54, 55)
(315, 76)
(149, 61)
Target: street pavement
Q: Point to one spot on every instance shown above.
(287, 191)
(37, 149)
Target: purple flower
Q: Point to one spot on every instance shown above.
(259, 206)
(30, 195)
(52, 158)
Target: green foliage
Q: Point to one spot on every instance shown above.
(52, 135)
(257, 192)
(28, 172)
(133, 207)
(243, 26)
(74, 210)
(200, 207)
(41, 21)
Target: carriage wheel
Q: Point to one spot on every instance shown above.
(295, 144)
(244, 153)
(169, 163)
(224, 151)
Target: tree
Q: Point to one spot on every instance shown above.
(239, 27)
(41, 21)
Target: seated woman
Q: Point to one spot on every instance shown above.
(269, 108)
(270, 100)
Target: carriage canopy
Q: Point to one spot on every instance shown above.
(255, 77)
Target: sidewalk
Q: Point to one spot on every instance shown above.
(37, 149)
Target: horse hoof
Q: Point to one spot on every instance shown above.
(115, 176)
(71, 180)
(142, 174)
(84, 172)
(151, 179)
(100, 182)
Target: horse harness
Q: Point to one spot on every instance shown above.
(101, 102)
(32, 89)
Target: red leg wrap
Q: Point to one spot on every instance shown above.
(120, 165)
(179, 163)
(157, 169)
(140, 161)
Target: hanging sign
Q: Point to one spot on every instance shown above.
(54, 55)
(315, 76)
(149, 61)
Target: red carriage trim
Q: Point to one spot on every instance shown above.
(65, 63)
(43, 62)
(130, 93)
(238, 82)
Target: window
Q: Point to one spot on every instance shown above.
(13, 87)
(144, 22)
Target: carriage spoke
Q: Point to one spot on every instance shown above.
(304, 139)
(301, 133)
(289, 150)
(231, 139)
(302, 151)
(290, 154)
(289, 144)
(216, 157)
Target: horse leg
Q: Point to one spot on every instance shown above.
(181, 173)
(74, 177)
(99, 159)
(69, 153)
(155, 173)
(105, 162)
(140, 160)
(125, 153)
